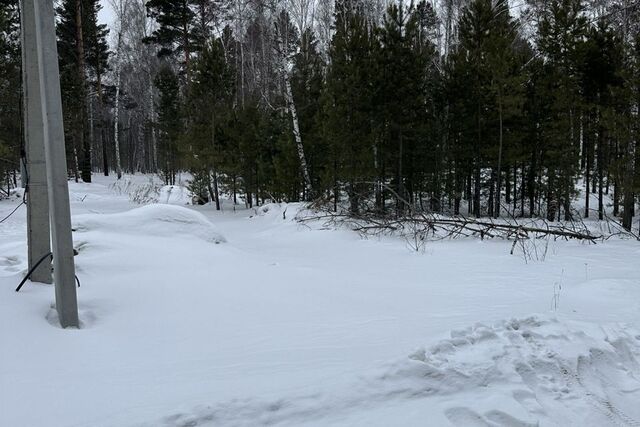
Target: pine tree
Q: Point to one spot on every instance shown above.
(208, 16)
(404, 56)
(599, 76)
(176, 25)
(430, 157)
(10, 89)
(97, 57)
(473, 73)
(349, 102)
(170, 124)
(307, 81)
(72, 81)
(82, 48)
(208, 101)
(504, 84)
(560, 34)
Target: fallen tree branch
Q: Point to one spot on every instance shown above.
(450, 227)
(419, 226)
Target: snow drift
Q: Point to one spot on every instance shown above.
(174, 195)
(294, 326)
(546, 372)
(152, 220)
(145, 190)
(522, 373)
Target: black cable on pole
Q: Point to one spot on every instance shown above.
(26, 187)
(23, 160)
(30, 272)
(12, 212)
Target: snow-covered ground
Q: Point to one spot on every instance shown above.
(244, 318)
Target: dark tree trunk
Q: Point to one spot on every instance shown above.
(507, 186)
(476, 192)
(600, 161)
(81, 138)
(400, 207)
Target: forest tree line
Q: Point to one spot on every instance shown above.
(470, 107)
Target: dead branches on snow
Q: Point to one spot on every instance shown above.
(434, 226)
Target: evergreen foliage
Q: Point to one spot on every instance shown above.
(83, 54)
(487, 110)
(10, 96)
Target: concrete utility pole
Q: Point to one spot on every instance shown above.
(35, 178)
(42, 26)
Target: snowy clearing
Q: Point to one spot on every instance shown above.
(283, 324)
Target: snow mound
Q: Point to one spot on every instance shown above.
(147, 190)
(152, 220)
(174, 195)
(520, 373)
(552, 372)
(269, 210)
(277, 211)
(86, 315)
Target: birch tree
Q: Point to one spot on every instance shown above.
(121, 9)
(286, 47)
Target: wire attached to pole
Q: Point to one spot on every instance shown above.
(30, 272)
(26, 187)
(12, 212)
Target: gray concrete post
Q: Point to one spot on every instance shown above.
(38, 232)
(59, 210)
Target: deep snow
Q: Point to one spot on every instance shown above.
(283, 324)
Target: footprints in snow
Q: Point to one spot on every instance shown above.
(520, 373)
(461, 416)
(599, 385)
(10, 265)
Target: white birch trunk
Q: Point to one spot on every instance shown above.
(154, 137)
(296, 130)
(117, 110)
(291, 106)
